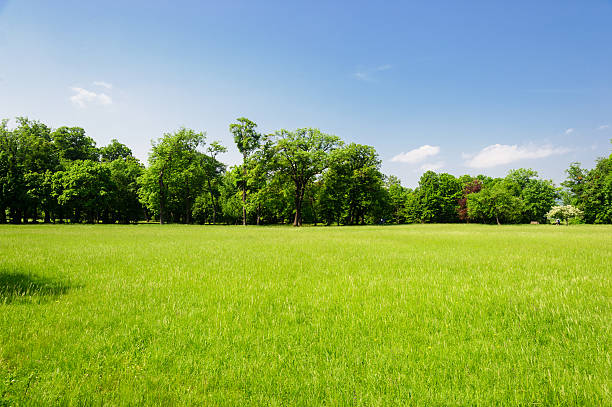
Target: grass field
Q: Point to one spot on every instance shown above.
(424, 314)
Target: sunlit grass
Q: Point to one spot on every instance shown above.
(426, 314)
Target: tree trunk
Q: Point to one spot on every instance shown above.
(258, 211)
(162, 198)
(314, 212)
(212, 199)
(244, 190)
(299, 195)
(497, 219)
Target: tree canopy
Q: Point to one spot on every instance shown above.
(287, 177)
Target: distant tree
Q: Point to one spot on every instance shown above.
(114, 151)
(72, 144)
(354, 181)
(565, 212)
(174, 176)
(213, 169)
(539, 196)
(435, 199)
(397, 195)
(495, 202)
(574, 183)
(302, 155)
(125, 205)
(26, 154)
(84, 190)
(247, 141)
(596, 199)
(471, 186)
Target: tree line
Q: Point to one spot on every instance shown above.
(287, 177)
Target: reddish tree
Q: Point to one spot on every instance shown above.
(471, 187)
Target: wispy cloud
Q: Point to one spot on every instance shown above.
(362, 76)
(103, 84)
(369, 75)
(603, 127)
(417, 155)
(569, 131)
(83, 97)
(432, 166)
(500, 154)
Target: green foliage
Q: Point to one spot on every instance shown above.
(115, 151)
(564, 212)
(353, 185)
(84, 190)
(301, 155)
(495, 203)
(596, 199)
(435, 199)
(72, 144)
(175, 176)
(301, 176)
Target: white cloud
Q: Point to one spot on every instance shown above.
(500, 154)
(103, 84)
(417, 155)
(82, 97)
(432, 166)
(362, 76)
(369, 74)
(569, 131)
(603, 127)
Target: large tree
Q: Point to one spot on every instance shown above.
(247, 141)
(73, 144)
(302, 155)
(353, 183)
(174, 176)
(495, 202)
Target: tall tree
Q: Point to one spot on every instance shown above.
(213, 169)
(495, 202)
(173, 177)
(73, 144)
(597, 194)
(247, 141)
(302, 155)
(114, 151)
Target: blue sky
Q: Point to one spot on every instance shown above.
(460, 87)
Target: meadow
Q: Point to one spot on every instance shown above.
(374, 315)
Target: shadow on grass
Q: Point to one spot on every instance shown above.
(23, 287)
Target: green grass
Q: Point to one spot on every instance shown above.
(424, 315)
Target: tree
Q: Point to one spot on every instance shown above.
(575, 183)
(247, 141)
(537, 195)
(302, 155)
(565, 212)
(213, 170)
(495, 202)
(470, 186)
(397, 197)
(125, 205)
(174, 177)
(73, 144)
(84, 189)
(353, 183)
(115, 151)
(596, 199)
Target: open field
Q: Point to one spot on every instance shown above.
(424, 314)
